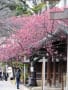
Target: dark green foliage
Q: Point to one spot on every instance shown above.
(38, 7)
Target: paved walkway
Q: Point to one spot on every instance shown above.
(7, 85)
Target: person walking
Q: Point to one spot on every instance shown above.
(18, 78)
(0, 75)
(5, 75)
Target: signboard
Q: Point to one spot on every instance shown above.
(10, 72)
(31, 69)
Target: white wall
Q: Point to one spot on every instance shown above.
(62, 3)
(30, 2)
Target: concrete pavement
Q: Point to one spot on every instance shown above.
(22, 87)
(6, 85)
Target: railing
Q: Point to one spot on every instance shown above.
(60, 84)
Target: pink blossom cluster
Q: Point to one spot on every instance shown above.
(29, 32)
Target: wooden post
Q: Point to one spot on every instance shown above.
(43, 73)
(67, 66)
(59, 72)
(48, 9)
(24, 71)
(62, 75)
(24, 75)
(48, 73)
(47, 3)
(54, 72)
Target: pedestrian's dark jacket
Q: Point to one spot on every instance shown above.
(18, 75)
